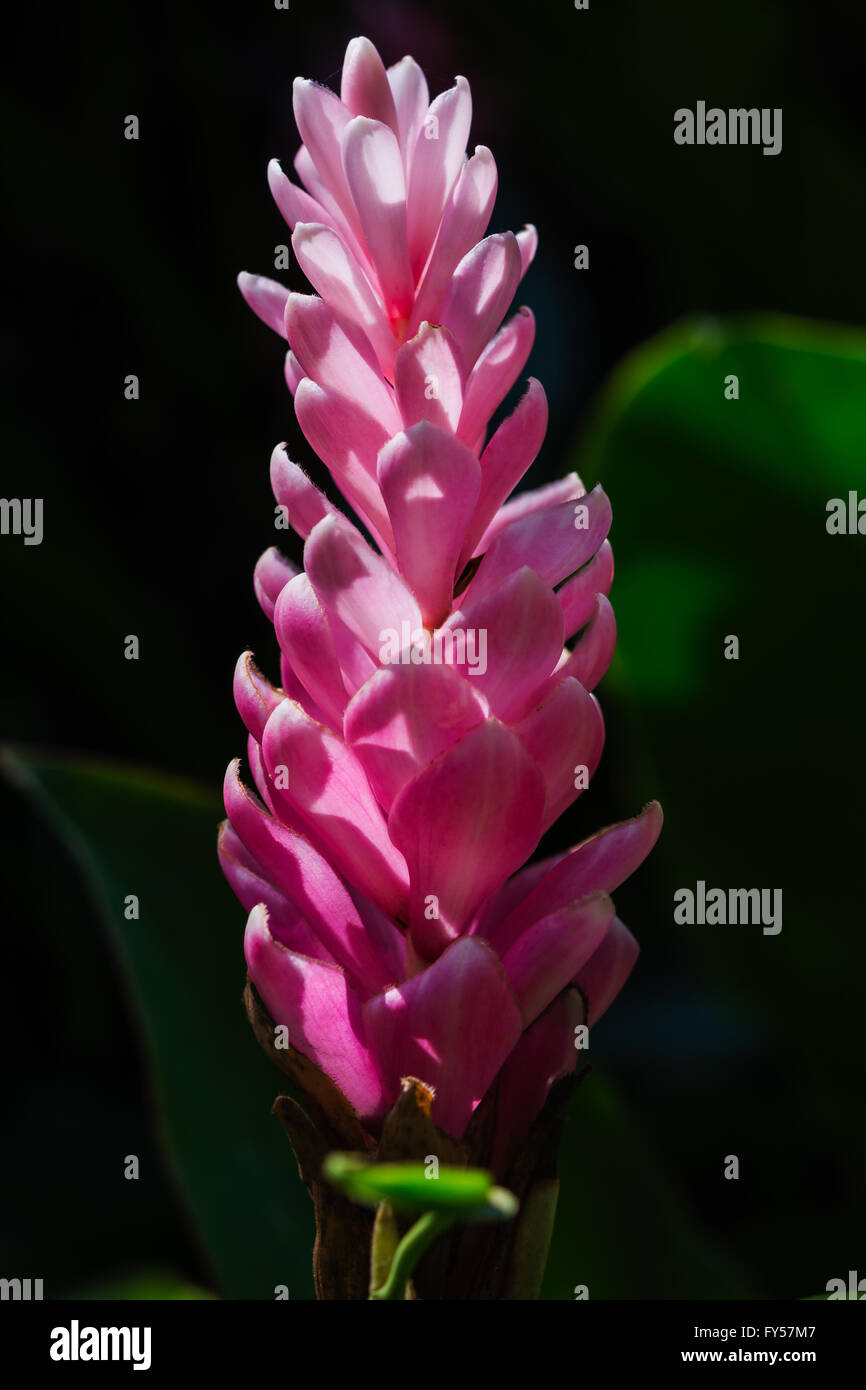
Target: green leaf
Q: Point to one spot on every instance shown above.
(408, 1187)
(717, 500)
(622, 1230)
(144, 1284)
(136, 832)
(719, 527)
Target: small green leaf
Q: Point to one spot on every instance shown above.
(468, 1192)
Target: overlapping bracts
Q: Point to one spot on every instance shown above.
(403, 782)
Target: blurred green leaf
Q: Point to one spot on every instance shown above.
(720, 509)
(622, 1229)
(468, 1192)
(145, 1284)
(136, 832)
(715, 498)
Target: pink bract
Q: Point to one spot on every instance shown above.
(402, 782)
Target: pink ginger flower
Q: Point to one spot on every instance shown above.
(436, 699)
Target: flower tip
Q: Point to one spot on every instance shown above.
(258, 920)
(303, 231)
(359, 127)
(246, 666)
(258, 940)
(360, 47)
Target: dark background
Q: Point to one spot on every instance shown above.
(123, 258)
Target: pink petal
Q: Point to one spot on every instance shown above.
(452, 1026)
(307, 880)
(480, 292)
(255, 697)
(347, 439)
(295, 204)
(411, 99)
(352, 665)
(566, 731)
(293, 688)
(270, 576)
(373, 165)
(251, 887)
(518, 639)
(327, 788)
(321, 119)
(336, 354)
(334, 217)
(339, 279)
(293, 372)
(315, 1002)
(544, 1055)
(527, 240)
(512, 450)
(598, 865)
(266, 298)
(365, 89)
(594, 648)
(577, 595)
(494, 374)
(547, 542)
(430, 483)
(548, 954)
(306, 639)
(388, 941)
(428, 379)
(404, 717)
(357, 584)
(526, 504)
(604, 974)
(259, 773)
(463, 825)
(497, 907)
(437, 158)
(295, 491)
(464, 223)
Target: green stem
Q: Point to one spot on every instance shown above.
(416, 1240)
(383, 1247)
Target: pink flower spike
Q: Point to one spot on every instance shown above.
(437, 657)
